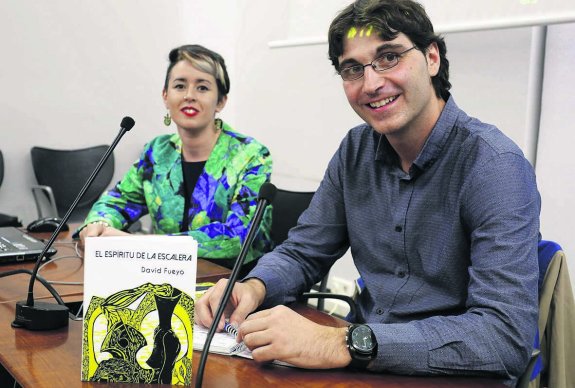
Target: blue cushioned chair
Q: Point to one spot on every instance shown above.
(547, 251)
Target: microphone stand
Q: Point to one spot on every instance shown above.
(266, 194)
(37, 315)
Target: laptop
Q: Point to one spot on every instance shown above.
(18, 246)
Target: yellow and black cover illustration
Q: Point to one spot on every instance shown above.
(139, 309)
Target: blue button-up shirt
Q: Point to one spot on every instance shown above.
(447, 252)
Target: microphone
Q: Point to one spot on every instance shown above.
(33, 315)
(265, 197)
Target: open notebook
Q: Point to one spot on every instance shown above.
(16, 245)
(225, 343)
(222, 343)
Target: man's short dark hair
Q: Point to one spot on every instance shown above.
(389, 18)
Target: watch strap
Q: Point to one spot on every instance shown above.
(359, 360)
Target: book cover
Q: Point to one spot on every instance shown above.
(139, 309)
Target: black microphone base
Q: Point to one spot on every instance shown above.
(41, 316)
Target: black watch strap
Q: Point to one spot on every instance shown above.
(360, 358)
(359, 364)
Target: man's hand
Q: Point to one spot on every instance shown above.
(282, 334)
(245, 298)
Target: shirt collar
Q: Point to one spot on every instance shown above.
(433, 145)
(383, 150)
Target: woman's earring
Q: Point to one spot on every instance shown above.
(167, 119)
(219, 123)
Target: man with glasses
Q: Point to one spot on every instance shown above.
(440, 210)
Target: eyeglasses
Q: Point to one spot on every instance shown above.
(384, 62)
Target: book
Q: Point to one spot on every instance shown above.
(139, 309)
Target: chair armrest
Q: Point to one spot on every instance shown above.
(48, 195)
(327, 295)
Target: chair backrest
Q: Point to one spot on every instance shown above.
(1, 168)
(546, 251)
(66, 172)
(287, 208)
(5, 219)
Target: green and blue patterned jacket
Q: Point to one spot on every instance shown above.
(222, 204)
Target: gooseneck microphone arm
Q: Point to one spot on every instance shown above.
(46, 316)
(265, 196)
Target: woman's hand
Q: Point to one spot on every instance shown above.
(98, 228)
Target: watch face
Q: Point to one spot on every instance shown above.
(361, 339)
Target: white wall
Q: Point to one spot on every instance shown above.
(555, 162)
(72, 69)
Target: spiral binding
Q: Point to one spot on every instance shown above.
(231, 329)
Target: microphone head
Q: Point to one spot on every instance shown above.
(127, 123)
(267, 192)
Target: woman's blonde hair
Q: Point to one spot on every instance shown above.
(204, 60)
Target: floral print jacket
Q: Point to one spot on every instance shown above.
(223, 201)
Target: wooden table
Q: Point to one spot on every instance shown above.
(52, 358)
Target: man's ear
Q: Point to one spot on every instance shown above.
(433, 59)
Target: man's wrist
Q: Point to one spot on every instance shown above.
(259, 288)
(344, 357)
(361, 344)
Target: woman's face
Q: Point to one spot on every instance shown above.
(192, 97)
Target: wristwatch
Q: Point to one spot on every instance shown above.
(361, 344)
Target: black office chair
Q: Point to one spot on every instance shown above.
(5, 219)
(61, 174)
(287, 208)
(1, 168)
